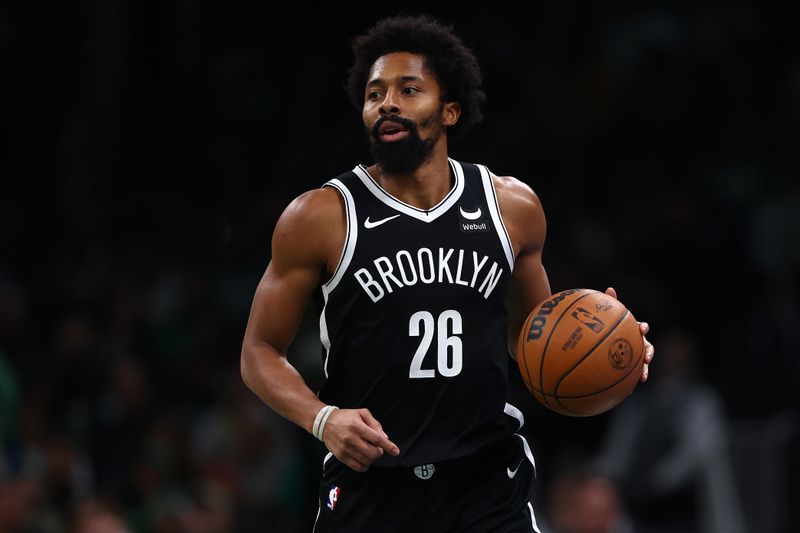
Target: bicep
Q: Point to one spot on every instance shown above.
(280, 301)
(300, 257)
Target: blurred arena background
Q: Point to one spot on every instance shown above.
(149, 147)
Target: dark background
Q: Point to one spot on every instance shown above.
(149, 147)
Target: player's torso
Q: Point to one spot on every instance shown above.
(414, 320)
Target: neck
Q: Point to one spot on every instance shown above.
(425, 187)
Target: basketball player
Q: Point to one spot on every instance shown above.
(411, 260)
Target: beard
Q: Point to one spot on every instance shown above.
(406, 155)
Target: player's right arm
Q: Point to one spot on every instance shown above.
(306, 246)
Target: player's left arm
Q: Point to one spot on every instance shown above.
(525, 222)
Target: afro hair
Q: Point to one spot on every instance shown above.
(455, 66)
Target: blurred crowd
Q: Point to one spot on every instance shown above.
(131, 411)
(149, 148)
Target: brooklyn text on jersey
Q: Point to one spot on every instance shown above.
(426, 266)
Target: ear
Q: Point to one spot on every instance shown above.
(450, 113)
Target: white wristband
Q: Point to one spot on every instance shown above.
(315, 427)
(324, 420)
(321, 419)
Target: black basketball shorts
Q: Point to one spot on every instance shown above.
(486, 492)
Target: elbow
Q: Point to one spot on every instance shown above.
(257, 359)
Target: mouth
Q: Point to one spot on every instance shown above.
(391, 131)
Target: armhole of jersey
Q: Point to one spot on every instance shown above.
(494, 210)
(350, 237)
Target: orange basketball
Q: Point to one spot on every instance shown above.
(580, 352)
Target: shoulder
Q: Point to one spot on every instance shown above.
(516, 194)
(309, 224)
(521, 210)
(317, 206)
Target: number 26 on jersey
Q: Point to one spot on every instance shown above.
(446, 327)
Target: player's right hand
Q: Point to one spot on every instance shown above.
(356, 439)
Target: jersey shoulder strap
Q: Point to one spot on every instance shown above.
(344, 184)
(479, 181)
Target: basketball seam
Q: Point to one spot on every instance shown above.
(641, 356)
(547, 343)
(590, 352)
(578, 397)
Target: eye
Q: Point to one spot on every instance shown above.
(372, 95)
(410, 90)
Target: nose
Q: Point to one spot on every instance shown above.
(389, 105)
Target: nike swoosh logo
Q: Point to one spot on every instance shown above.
(470, 215)
(512, 473)
(369, 224)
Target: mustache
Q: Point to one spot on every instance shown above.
(406, 123)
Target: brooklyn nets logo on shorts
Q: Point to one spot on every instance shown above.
(424, 471)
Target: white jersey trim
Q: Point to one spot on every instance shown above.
(350, 237)
(424, 215)
(513, 412)
(533, 519)
(494, 210)
(319, 510)
(327, 458)
(323, 332)
(528, 452)
(324, 338)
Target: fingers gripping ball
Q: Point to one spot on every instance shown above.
(580, 352)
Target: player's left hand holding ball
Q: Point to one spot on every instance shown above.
(649, 349)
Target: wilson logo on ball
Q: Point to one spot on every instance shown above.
(540, 320)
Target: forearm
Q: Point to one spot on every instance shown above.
(529, 287)
(272, 378)
(515, 324)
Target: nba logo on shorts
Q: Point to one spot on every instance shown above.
(333, 497)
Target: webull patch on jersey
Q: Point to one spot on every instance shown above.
(473, 227)
(471, 221)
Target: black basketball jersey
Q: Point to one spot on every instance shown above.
(413, 323)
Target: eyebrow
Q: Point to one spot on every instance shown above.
(378, 81)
